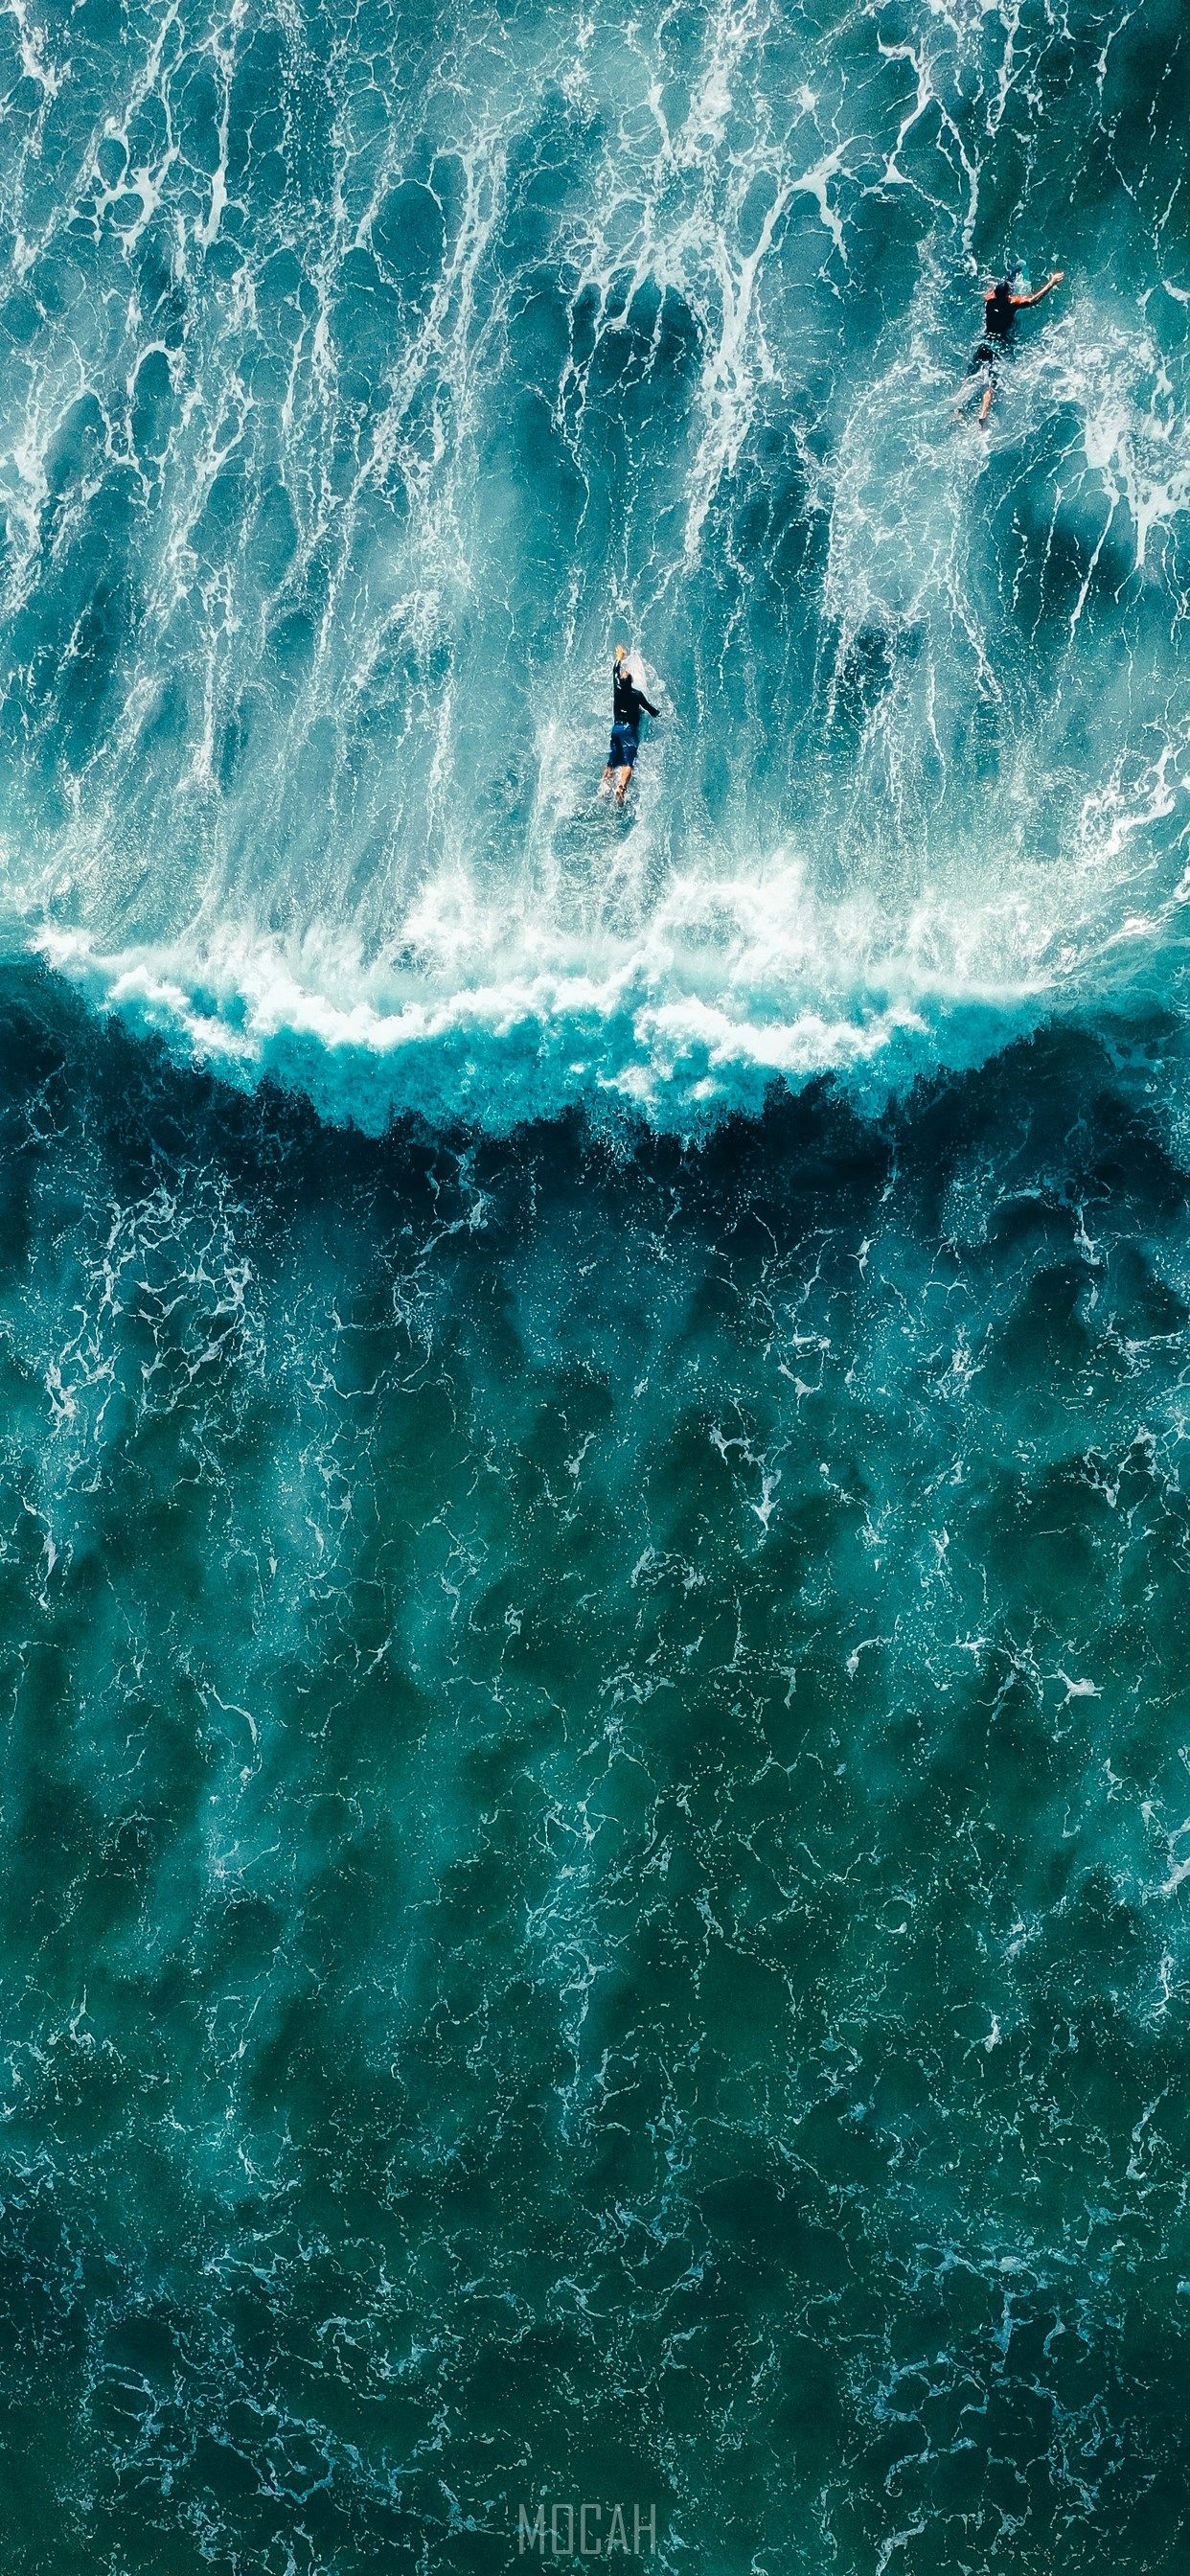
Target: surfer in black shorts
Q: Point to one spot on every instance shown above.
(1001, 305)
(627, 704)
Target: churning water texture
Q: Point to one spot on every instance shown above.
(596, 1434)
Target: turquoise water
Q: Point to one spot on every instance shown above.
(594, 1551)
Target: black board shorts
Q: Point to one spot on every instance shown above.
(988, 358)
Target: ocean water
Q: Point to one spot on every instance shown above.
(596, 1523)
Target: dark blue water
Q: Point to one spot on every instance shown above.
(594, 1549)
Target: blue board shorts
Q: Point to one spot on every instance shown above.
(623, 748)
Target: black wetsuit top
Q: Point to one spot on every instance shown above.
(999, 314)
(999, 322)
(627, 700)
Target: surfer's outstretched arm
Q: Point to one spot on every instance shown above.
(1020, 301)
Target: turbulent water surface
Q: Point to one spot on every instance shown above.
(594, 1554)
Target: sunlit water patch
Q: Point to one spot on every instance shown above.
(367, 374)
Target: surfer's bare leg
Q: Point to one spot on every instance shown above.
(622, 785)
(986, 404)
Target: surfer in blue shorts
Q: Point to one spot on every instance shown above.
(628, 702)
(1001, 305)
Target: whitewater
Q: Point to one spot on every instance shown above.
(367, 381)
